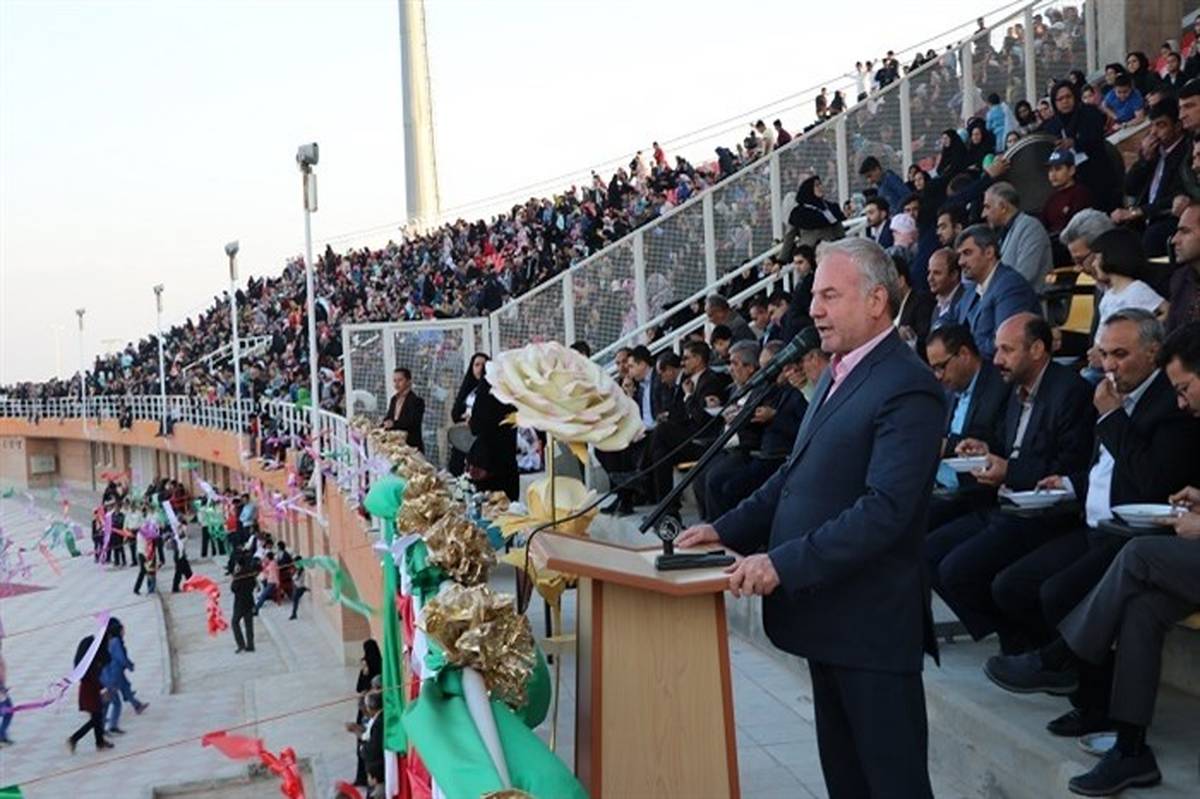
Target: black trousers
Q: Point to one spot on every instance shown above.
(967, 554)
(243, 614)
(1150, 586)
(623, 464)
(872, 733)
(137, 584)
(183, 570)
(207, 541)
(95, 723)
(1038, 591)
(667, 436)
(731, 477)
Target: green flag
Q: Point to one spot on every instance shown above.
(443, 732)
(11, 792)
(384, 500)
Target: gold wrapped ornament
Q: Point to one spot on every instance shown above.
(480, 629)
(426, 499)
(460, 548)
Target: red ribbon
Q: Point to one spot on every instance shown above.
(212, 602)
(241, 747)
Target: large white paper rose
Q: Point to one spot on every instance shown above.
(558, 391)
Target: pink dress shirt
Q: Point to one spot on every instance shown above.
(840, 366)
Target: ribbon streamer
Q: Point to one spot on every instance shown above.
(50, 561)
(57, 689)
(343, 589)
(240, 747)
(212, 603)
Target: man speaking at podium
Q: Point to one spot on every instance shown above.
(833, 541)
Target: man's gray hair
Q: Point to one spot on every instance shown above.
(374, 701)
(716, 301)
(982, 235)
(875, 267)
(1087, 224)
(1150, 330)
(746, 353)
(1007, 192)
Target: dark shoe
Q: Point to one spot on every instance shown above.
(611, 507)
(1116, 772)
(116, 731)
(70, 746)
(105, 745)
(249, 649)
(291, 618)
(1025, 674)
(239, 650)
(1077, 723)
(140, 707)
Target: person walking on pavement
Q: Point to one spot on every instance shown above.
(183, 569)
(114, 680)
(242, 587)
(91, 695)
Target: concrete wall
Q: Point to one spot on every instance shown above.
(85, 458)
(1128, 25)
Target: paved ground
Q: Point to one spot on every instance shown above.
(287, 692)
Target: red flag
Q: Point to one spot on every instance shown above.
(237, 747)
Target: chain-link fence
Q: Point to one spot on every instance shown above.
(438, 355)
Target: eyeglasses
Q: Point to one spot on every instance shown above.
(940, 368)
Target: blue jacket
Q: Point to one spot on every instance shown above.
(894, 190)
(118, 663)
(1007, 295)
(843, 519)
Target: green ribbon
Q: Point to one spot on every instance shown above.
(441, 728)
(384, 501)
(343, 589)
(425, 577)
(11, 792)
(73, 548)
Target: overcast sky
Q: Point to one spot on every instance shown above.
(136, 138)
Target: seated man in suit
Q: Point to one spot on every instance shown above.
(1146, 451)
(916, 310)
(878, 213)
(1000, 292)
(946, 286)
(621, 465)
(1047, 430)
(1151, 585)
(1155, 179)
(978, 404)
(754, 454)
(1024, 244)
(406, 411)
(672, 443)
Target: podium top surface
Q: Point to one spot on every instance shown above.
(634, 567)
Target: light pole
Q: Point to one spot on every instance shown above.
(82, 391)
(162, 369)
(231, 249)
(307, 156)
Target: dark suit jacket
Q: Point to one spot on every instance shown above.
(1154, 451)
(371, 749)
(409, 418)
(1058, 439)
(953, 311)
(985, 414)
(690, 413)
(844, 518)
(1141, 177)
(917, 313)
(1007, 295)
(779, 436)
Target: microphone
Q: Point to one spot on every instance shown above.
(803, 342)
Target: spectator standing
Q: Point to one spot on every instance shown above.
(1081, 129)
(114, 680)
(887, 183)
(270, 574)
(492, 461)
(242, 588)
(782, 137)
(879, 228)
(814, 219)
(406, 410)
(91, 695)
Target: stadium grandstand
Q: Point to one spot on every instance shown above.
(1032, 182)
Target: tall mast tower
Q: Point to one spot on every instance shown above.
(420, 163)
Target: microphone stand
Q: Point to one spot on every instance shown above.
(666, 527)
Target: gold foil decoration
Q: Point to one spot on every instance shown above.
(461, 548)
(481, 629)
(426, 500)
(569, 497)
(508, 793)
(494, 504)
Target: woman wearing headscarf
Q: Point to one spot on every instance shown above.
(1027, 121)
(91, 693)
(464, 402)
(1080, 127)
(813, 220)
(981, 143)
(492, 461)
(370, 666)
(953, 157)
(113, 678)
(1145, 80)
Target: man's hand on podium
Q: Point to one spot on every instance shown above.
(752, 575)
(698, 535)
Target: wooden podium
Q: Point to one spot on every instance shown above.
(654, 715)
